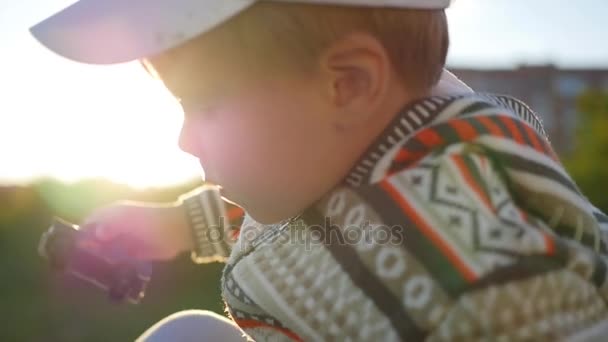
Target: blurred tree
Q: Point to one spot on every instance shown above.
(74, 201)
(588, 164)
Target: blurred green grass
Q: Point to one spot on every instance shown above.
(39, 305)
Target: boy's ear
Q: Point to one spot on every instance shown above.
(357, 72)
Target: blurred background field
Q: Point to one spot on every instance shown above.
(40, 305)
(74, 137)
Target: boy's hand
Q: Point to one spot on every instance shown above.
(160, 231)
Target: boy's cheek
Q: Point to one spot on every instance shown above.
(204, 135)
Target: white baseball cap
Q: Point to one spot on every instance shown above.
(116, 31)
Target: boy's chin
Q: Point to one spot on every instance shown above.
(264, 218)
(261, 214)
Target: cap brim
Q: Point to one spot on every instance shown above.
(420, 4)
(116, 31)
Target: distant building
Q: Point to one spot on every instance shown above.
(549, 91)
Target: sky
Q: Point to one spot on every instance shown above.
(73, 121)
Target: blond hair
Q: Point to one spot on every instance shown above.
(284, 35)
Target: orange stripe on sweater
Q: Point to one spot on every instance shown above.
(430, 138)
(430, 233)
(465, 130)
(513, 129)
(468, 177)
(235, 213)
(549, 243)
(533, 138)
(402, 156)
(491, 126)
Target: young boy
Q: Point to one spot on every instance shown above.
(385, 200)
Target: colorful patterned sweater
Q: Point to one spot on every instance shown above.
(458, 223)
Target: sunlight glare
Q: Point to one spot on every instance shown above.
(86, 121)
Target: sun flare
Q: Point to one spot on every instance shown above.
(113, 122)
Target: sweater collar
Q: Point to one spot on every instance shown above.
(411, 118)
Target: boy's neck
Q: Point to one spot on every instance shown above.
(344, 150)
(358, 141)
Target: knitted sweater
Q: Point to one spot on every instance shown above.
(458, 223)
